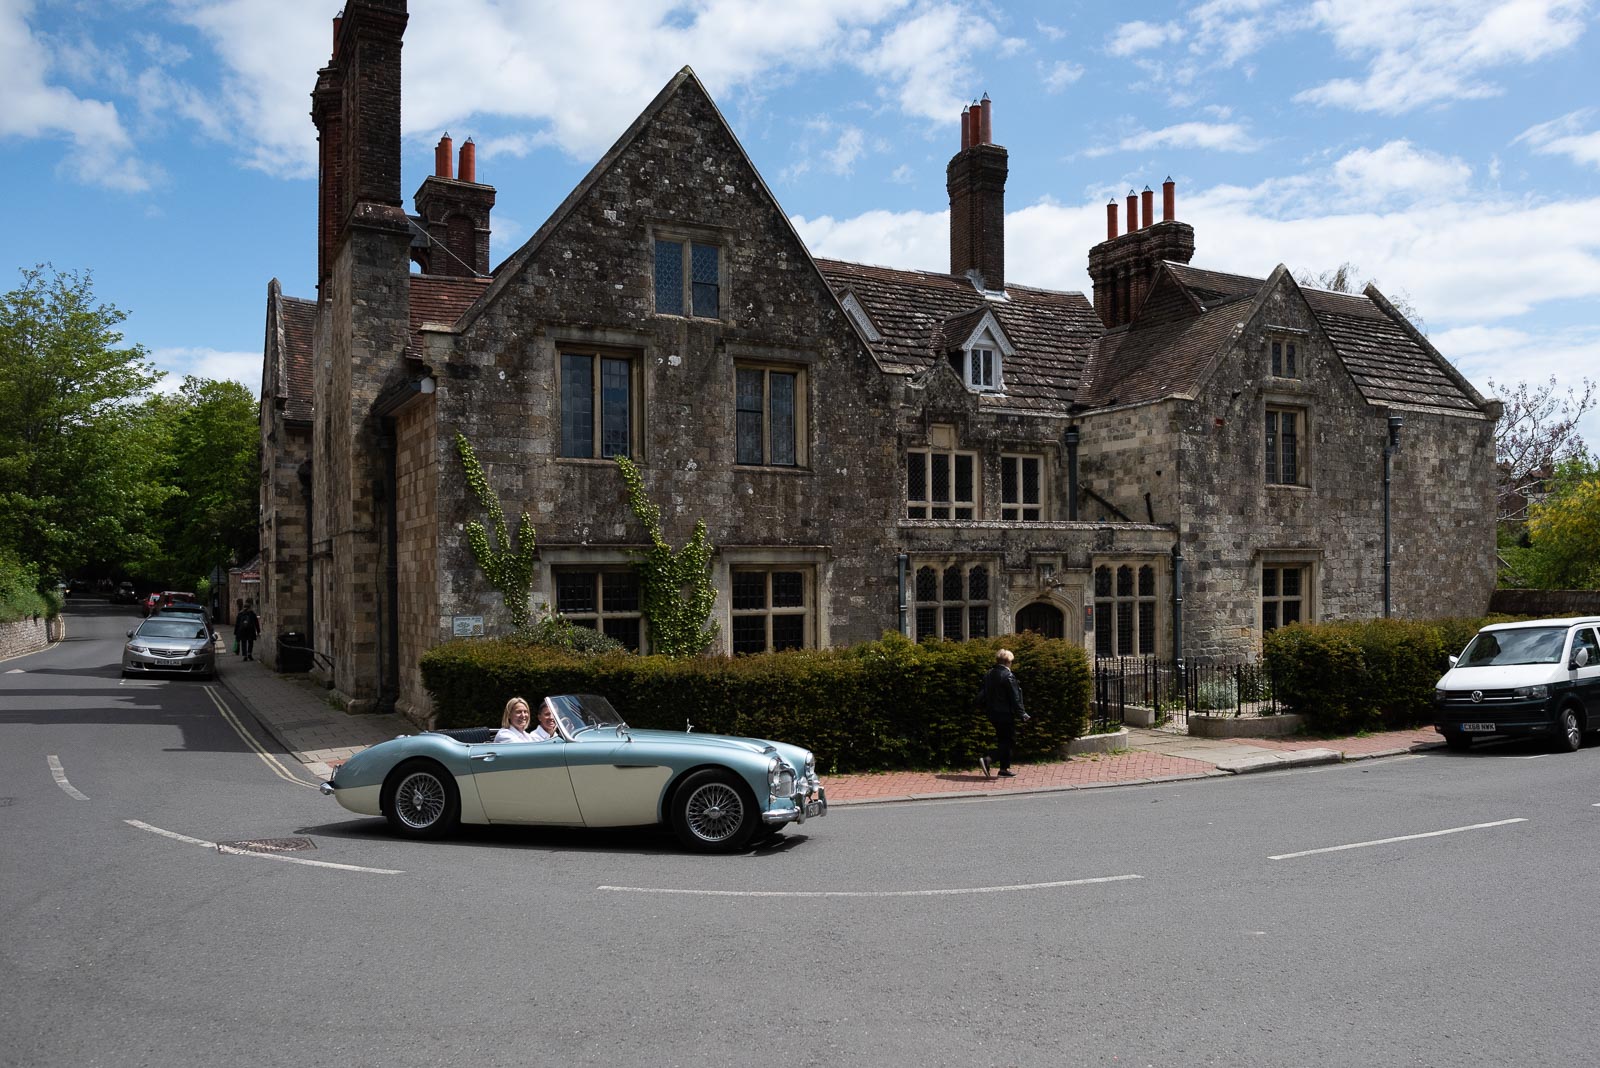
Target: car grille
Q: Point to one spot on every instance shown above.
(1464, 697)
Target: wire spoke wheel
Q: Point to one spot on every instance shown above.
(714, 812)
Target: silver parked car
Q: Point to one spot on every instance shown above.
(184, 643)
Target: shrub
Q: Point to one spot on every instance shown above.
(558, 632)
(884, 704)
(20, 597)
(1376, 674)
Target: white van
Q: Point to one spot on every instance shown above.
(1540, 677)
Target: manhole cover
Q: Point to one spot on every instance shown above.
(269, 845)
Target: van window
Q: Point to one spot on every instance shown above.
(1524, 645)
(1584, 639)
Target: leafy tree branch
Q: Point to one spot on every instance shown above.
(508, 566)
(675, 587)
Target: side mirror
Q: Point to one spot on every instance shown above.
(1454, 660)
(1580, 658)
(130, 634)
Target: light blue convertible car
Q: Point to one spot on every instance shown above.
(716, 792)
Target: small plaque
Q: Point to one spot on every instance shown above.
(467, 626)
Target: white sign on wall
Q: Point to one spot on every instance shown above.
(467, 626)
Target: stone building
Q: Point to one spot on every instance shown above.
(1187, 462)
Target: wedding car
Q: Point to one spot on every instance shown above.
(716, 792)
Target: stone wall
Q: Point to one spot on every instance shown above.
(417, 550)
(29, 635)
(1552, 604)
(587, 285)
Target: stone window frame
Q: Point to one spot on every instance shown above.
(770, 612)
(599, 354)
(800, 418)
(598, 618)
(810, 560)
(952, 596)
(957, 509)
(1016, 511)
(1272, 442)
(1286, 356)
(687, 238)
(1132, 611)
(1276, 563)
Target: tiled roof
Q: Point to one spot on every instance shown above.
(1386, 361)
(440, 299)
(1166, 351)
(1147, 362)
(917, 312)
(299, 323)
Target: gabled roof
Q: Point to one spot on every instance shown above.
(291, 323)
(437, 298)
(918, 314)
(1190, 315)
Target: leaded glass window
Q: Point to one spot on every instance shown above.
(952, 601)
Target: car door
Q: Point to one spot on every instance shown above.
(617, 782)
(524, 782)
(1586, 680)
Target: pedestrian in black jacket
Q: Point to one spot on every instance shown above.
(245, 628)
(1000, 698)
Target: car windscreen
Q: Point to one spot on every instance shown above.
(170, 628)
(585, 710)
(1524, 645)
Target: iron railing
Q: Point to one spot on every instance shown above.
(1171, 691)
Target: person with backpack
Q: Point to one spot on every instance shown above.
(246, 625)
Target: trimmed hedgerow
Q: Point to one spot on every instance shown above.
(885, 704)
(1375, 674)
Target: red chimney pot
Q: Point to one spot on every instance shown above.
(985, 134)
(1133, 211)
(1147, 206)
(1169, 200)
(1111, 219)
(966, 130)
(442, 156)
(469, 162)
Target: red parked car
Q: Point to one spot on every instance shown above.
(157, 601)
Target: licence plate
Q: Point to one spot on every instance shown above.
(813, 808)
(1478, 728)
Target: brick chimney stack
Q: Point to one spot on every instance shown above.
(976, 181)
(1123, 266)
(455, 213)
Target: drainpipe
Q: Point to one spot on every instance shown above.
(904, 562)
(1389, 449)
(1072, 473)
(1177, 600)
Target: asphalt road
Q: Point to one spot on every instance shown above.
(1178, 924)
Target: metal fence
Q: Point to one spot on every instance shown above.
(1168, 692)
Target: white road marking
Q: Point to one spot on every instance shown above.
(868, 893)
(1398, 838)
(236, 852)
(271, 761)
(61, 779)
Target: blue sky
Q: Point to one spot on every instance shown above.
(1450, 149)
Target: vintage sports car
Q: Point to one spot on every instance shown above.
(716, 792)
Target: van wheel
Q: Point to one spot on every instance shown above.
(1570, 738)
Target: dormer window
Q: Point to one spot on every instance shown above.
(979, 351)
(981, 369)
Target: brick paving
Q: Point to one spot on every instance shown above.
(299, 715)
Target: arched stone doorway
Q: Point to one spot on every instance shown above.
(1042, 618)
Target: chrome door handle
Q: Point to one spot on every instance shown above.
(485, 757)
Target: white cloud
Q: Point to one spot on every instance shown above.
(1400, 168)
(1215, 137)
(1565, 137)
(1059, 75)
(915, 239)
(101, 152)
(1050, 33)
(241, 367)
(924, 60)
(1131, 38)
(1422, 52)
(843, 155)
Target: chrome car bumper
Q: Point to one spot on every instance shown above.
(803, 809)
(327, 789)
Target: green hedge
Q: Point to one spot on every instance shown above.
(1375, 674)
(886, 704)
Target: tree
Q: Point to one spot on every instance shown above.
(75, 463)
(211, 448)
(1537, 433)
(1563, 532)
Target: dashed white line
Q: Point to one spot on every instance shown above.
(60, 776)
(236, 852)
(869, 893)
(1398, 838)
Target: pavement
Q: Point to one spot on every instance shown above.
(296, 711)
